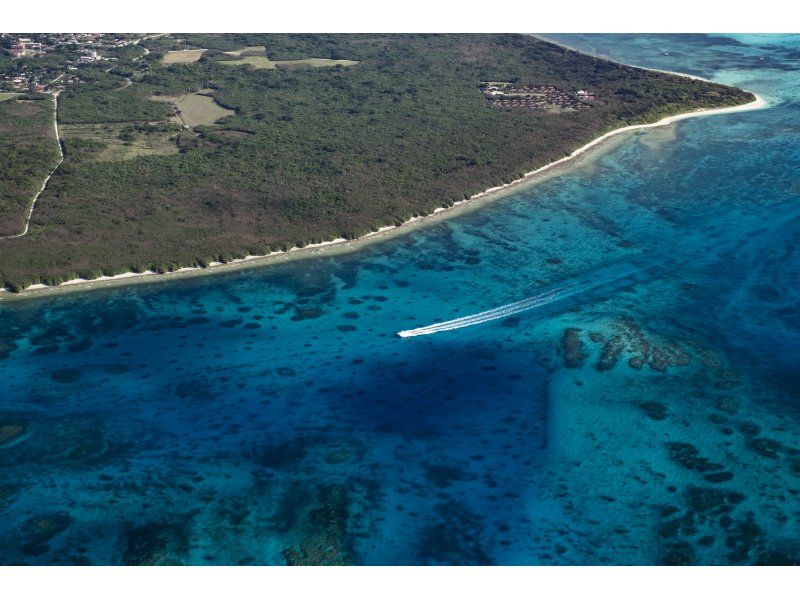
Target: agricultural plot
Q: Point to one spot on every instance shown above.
(195, 109)
(317, 62)
(256, 57)
(249, 51)
(200, 109)
(7, 96)
(182, 56)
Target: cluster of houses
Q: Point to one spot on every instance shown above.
(84, 43)
(24, 81)
(25, 46)
(28, 77)
(510, 95)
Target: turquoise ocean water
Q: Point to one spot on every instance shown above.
(644, 409)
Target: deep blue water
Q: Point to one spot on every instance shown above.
(274, 415)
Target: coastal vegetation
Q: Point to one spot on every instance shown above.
(109, 142)
(294, 156)
(28, 151)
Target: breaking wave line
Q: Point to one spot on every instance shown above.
(558, 293)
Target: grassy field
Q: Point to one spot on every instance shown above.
(110, 142)
(182, 56)
(7, 96)
(316, 62)
(249, 51)
(200, 109)
(195, 108)
(253, 57)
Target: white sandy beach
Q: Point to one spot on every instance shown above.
(383, 232)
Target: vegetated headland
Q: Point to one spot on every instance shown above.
(375, 132)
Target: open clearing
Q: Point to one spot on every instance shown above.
(7, 96)
(256, 57)
(249, 51)
(195, 109)
(182, 56)
(158, 143)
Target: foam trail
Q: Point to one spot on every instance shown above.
(560, 292)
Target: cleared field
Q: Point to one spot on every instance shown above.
(254, 57)
(7, 96)
(198, 109)
(259, 62)
(182, 56)
(159, 143)
(249, 51)
(317, 62)
(195, 108)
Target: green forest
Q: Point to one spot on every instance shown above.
(28, 151)
(310, 154)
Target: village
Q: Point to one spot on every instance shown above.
(79, 48)
(537, 97)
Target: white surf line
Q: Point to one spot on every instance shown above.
(47, 179)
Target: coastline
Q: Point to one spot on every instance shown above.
(544, 38)
(338, 246)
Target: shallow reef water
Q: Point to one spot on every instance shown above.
(273, 415)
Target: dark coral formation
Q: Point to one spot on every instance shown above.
(654, 410)
(443, 476)
(687, 456)
(66, 375)
(11, 429)
(325, 540)
(611, 352)
(679, 554)
(72, 441)
(281, 456)
(714, 510)
(38, 531)
(572, 348)
(643, 351)
(766, 447)
(7, 346)
(7, 494)
(455, 539)
(156, 544)
(646, 352)
(708, 501)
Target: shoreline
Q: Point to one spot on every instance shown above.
(341, 245)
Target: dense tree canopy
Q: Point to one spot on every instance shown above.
(28, 151)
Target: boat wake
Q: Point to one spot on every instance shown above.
(613, 277)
